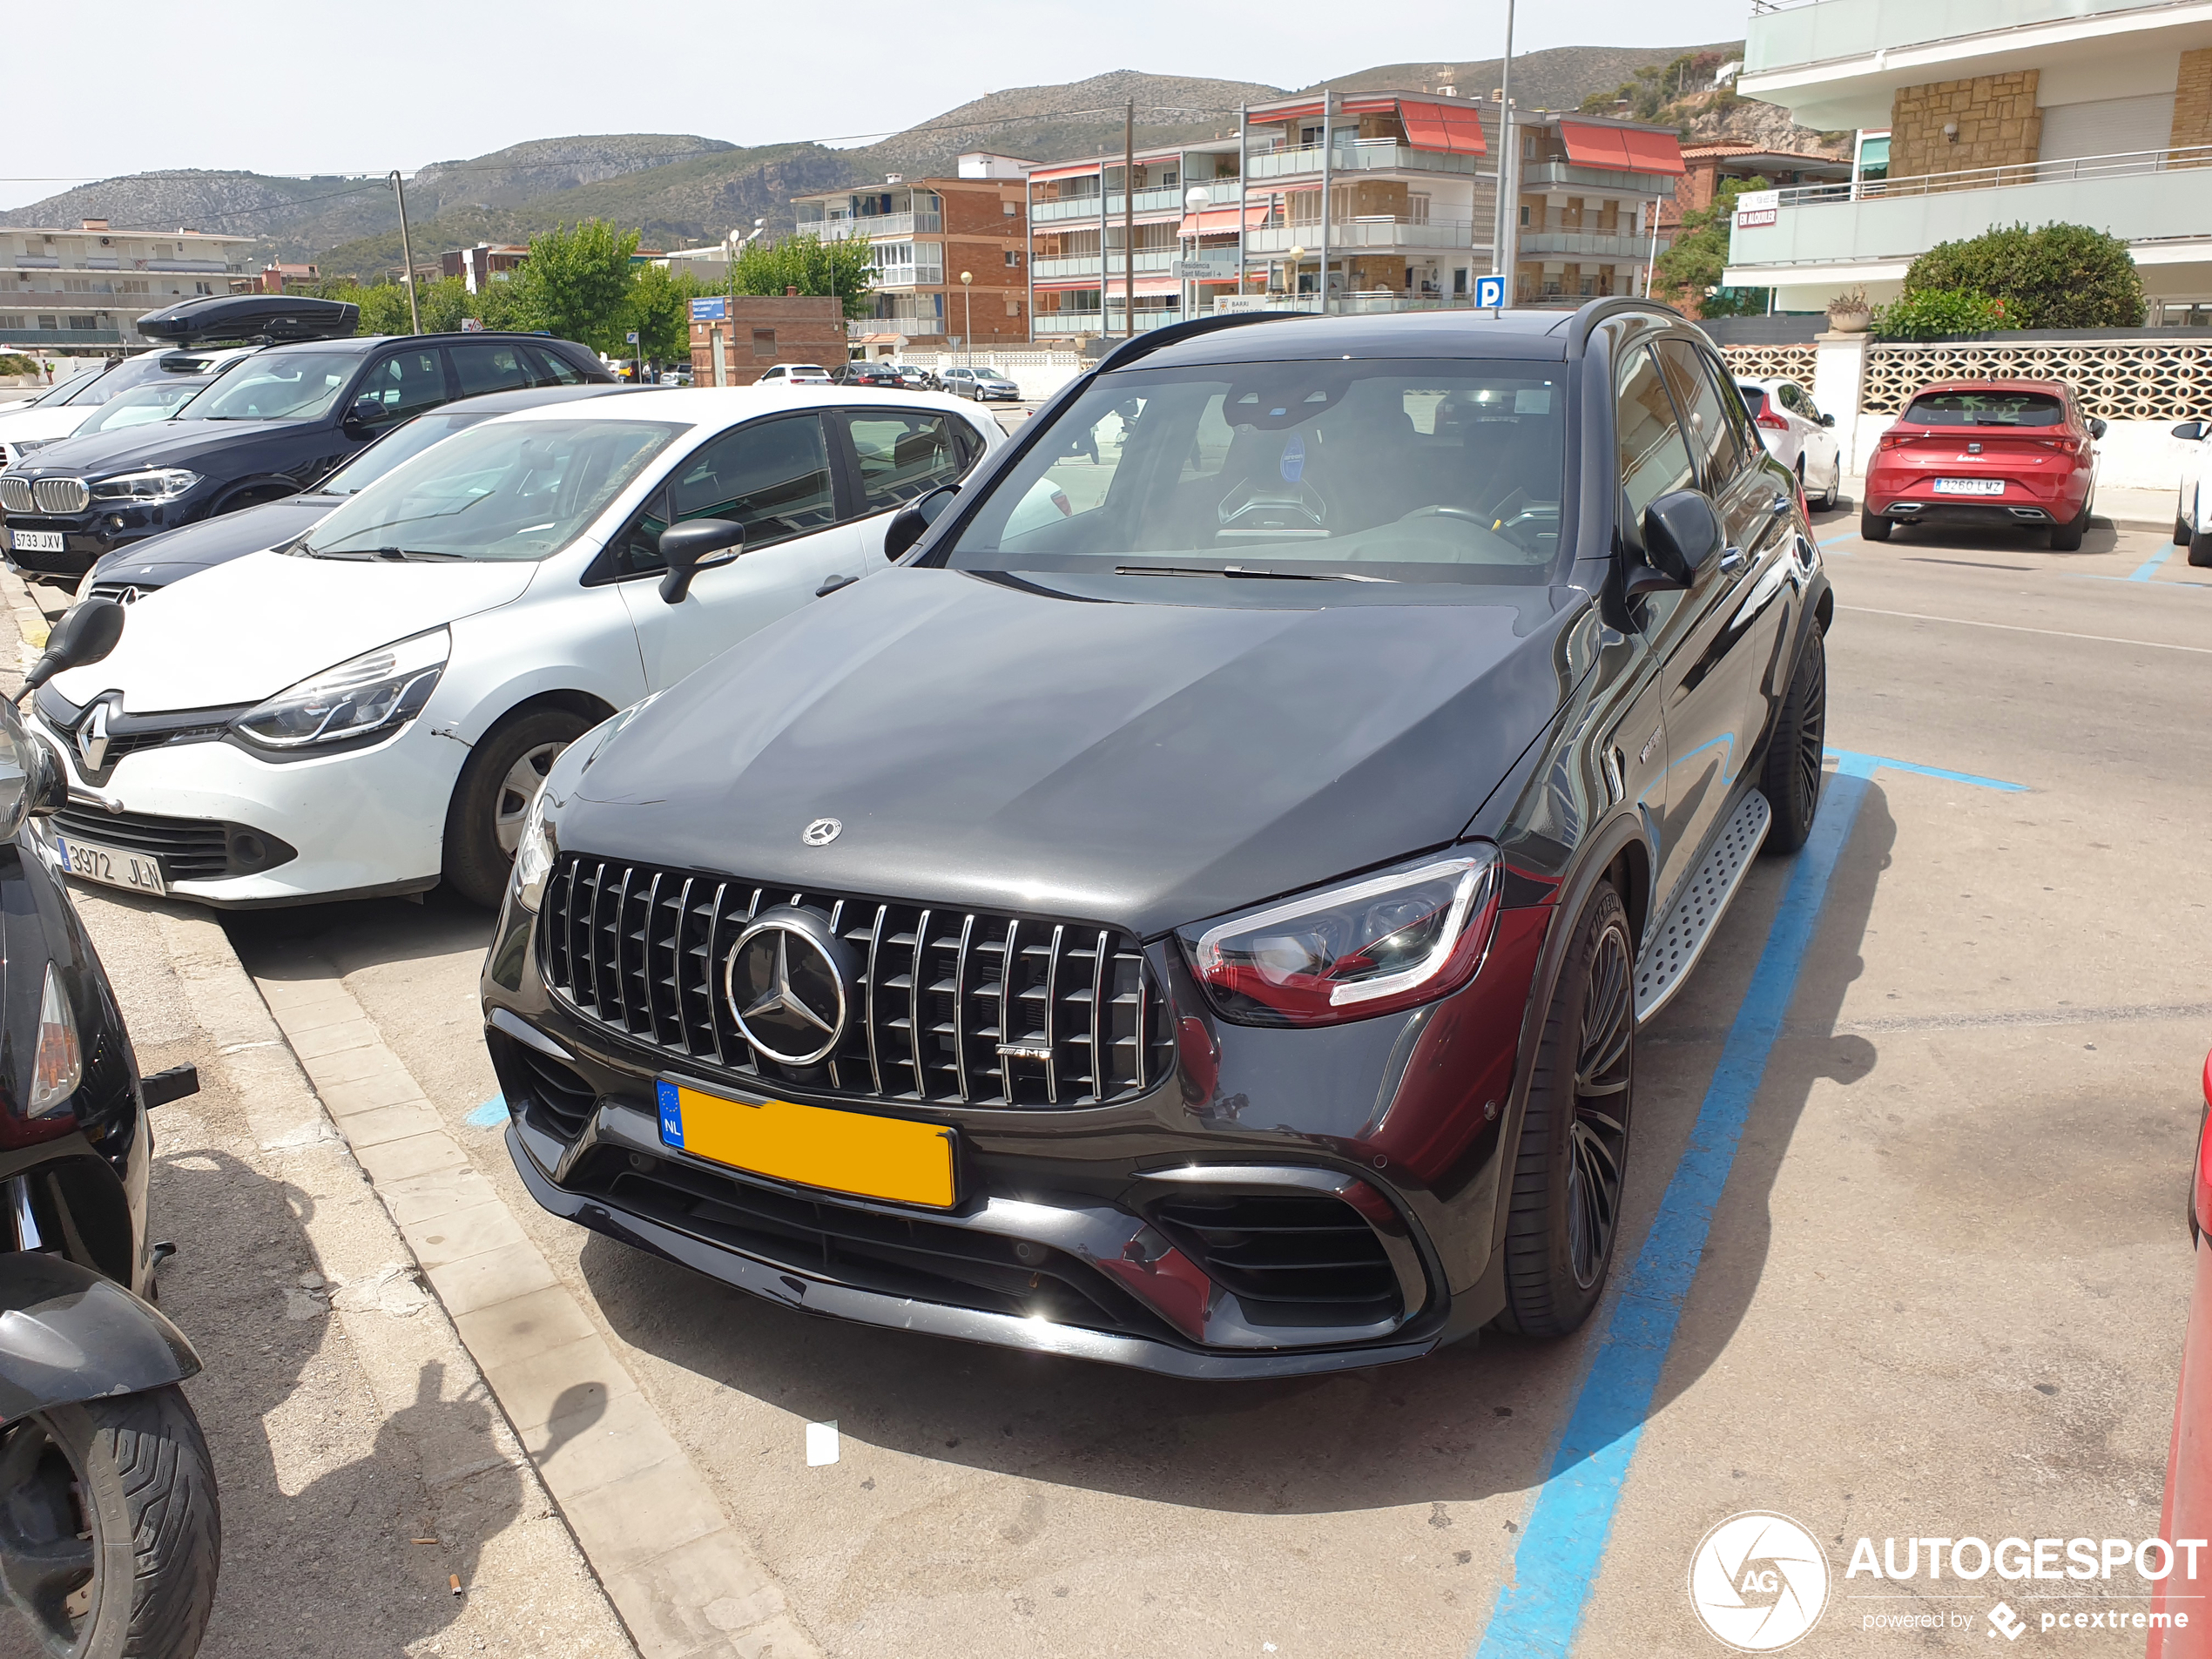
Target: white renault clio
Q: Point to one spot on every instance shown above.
(368, 709)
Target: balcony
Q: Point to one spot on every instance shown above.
(909, 276)
(1788, 34)
(1380, 230)
(911, 328)
(1566, 175)
(1169, 198)
(1152, 260)
(874, 225)
(60, 337)
(1574, 245)
(187, 265)
(2146, 197)
(1361, 155)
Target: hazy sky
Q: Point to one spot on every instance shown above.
(312, 88)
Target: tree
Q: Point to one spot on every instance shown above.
(577, 283)
(2060, 276)
(845, 268)
(1689, 272)
(660, 310)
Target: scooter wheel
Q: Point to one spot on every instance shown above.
(134, 1474)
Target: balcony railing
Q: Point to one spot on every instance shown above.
(1069, 322)
(1552, 245)
(1547, 175)
(1362, 155)
(909, 276)
(873, 225)
(1168, 198)
(1377, 231)
(1789, 34)
(60, 337)
(2126, 164)
(913, 327)
(1081, 265)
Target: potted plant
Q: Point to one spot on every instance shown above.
(1848, 312)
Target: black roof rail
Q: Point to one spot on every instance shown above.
(1587, 317)
(1152, 340)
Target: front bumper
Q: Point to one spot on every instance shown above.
(89, 536)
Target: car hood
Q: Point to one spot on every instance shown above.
(282, 619)
(991, 743)
(176, 554)
(38, 425)
(157, 443)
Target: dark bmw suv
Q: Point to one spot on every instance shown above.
(271, 425)
(1196, 912)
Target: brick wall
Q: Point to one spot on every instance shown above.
(1998, 124)
(806, 329)
(2192, 100)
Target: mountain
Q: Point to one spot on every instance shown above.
(1559, 78)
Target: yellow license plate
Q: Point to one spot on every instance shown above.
(814, 1146)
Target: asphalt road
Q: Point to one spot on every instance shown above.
(1942, 1291)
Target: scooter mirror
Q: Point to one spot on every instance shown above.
(86, 634)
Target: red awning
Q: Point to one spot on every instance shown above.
(1221, 221)
(1622, 149)
(1302, 112)
(1653, 152)
(1444, 127)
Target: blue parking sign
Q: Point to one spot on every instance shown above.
(710, 310)
(1490, 292)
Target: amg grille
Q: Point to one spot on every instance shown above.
(1301, 1259)
(642, 950)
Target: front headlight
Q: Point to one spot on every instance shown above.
(59, 1067)
(377, 690)
(533, 856)
(162, 483)
(1350, 951)
(24, 446)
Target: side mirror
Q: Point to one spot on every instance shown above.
(916, 517)
(1827, 420)
(696, 544)
(1681, 532)
(31, 779)
(2097, 428)
(367, 414)
(2190, 431)
(85, 635)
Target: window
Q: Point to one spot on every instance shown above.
(1791, 397)
(550, 368)
(1013, 257)
(903, 456)
(491, 366)
(764, 343)
(85, 324)
(1987, 408)
(771, 476)
(403, 384)
(1714, 433)
(1654, 460)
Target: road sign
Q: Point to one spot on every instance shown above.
(715, 309)
(1490, 292)
(631, 336)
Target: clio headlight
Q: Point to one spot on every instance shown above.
(378, 691)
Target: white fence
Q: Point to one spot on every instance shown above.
(1039, 374)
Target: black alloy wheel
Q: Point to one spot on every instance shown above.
(1791, 776)
(1571, 1163)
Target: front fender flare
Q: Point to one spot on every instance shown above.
(68, 1335)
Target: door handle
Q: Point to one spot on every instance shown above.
(1732, 560)
(833, 584)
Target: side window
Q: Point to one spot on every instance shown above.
(771, 476)
(491, 366)
(903, 454)
(550, 368)
(405, 384)
(1715, 427)
(1792, 399)
(1654, 459)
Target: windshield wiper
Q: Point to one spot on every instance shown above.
(1248, 570)
(389, 555)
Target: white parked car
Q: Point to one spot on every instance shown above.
(2192, 511)
(1798, 436)
(57, 414)
(368, 710)
(795, 375)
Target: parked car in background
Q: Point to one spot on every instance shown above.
(1798, 436)
(1101, 975)
(129, 574)
(269, 429)
(984, 385)
(915, 378)
(2192, 512)
(675, 376)
(55, 413)
(795, 375)
(859, 374)
(419, 656)
(155, 401)
(1994, 454)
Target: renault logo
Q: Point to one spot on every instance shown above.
(92, 739)
(821, 832)
(785, 979)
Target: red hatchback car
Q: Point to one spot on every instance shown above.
(2011, 453)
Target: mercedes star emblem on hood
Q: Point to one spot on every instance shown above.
(821, 832)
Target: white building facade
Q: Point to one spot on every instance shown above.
(85, 289)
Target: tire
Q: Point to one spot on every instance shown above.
(2184, 529)
(490, 802)
(1790, 777)
(2066, 538)
(2200, 550)
(1873, 527)
(1572, 1160)
(1834, 498)
(133, 1472)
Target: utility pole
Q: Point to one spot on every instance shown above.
(1129, 219)
(1507, 258)
(407, 252)
(1328, 151)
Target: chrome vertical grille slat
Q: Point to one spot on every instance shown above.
(644, 952)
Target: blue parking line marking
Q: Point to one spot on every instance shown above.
(2149, 568)
(1563, 1541)
(490, 1115)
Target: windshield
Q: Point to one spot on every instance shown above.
(517, 489)
(1987, 408)
(144, 403)
(1392, 470)
(278, 385)
(403, 443)
(91, 390)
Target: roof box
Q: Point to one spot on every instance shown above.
(251, 316)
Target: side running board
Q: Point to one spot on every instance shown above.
(1671, 948)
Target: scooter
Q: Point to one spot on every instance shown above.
(110, 1537)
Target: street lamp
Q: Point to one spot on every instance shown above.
(966, 314)
(1195, 200)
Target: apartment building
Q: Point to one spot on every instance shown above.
(482, 265)
(1383, 201)
(1977, 114)
(87, 288)
(925, 233)
(1708, 166)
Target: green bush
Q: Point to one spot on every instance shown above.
(2060, 276)
(16, 363)
(1932, 313)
